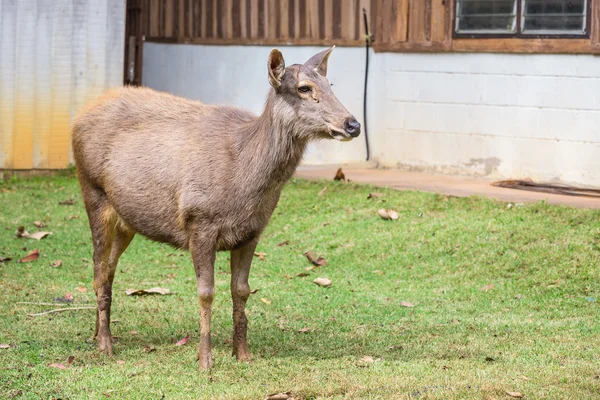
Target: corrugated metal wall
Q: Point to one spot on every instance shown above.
(55, 55)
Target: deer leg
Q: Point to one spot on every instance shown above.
(203, 255)
(241, 259)
(111, 238)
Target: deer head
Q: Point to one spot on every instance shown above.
(303, 99)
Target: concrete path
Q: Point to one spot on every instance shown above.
(451, 185)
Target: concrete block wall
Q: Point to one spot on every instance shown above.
(497, 115)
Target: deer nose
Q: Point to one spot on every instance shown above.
(352, 127)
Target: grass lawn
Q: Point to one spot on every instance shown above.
(505, 300)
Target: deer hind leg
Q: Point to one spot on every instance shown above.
(241, 259)
(110, 238)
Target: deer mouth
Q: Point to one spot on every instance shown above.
(340, 135)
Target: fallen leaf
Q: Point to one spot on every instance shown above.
(406, 304)
(516, 395)
(286, 276)
(490, 359)
(39, 224)
(283, 243)
(120, 362)
(487, 287)
(388, 214)
(154, 290)
(375, 195)
(62, 366)
(518, 297)
(267, 302)
(56, 264)
(310, 268)
(322, 192)
(4, 346)
(322, 282)
(280, 396)
(318, 262)
(37, 235)
(133, 332)
(5, 259)
(304, 330)
(149, 349)
(34, 255)
(378, 272)
(455, 321)
(339, 175)
(21, 232)
(81, 289)
(68, 297)
(302, 274)
(254, 291)
(261, 256)
(183, 341)
(70, 217)
(68, 202)
(367, 359)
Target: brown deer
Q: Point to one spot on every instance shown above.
(199, 177)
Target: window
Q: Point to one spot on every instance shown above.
(522, 18)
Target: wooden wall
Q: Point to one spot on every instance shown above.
(395, 25)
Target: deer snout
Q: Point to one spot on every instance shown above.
(352, 127)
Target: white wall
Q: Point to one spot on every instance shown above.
(237, 75)
(496, 115)
(502, 115)
(54, 57)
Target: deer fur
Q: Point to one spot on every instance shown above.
(200, 177)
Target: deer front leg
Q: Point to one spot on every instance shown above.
(203, 255)
(241, 259)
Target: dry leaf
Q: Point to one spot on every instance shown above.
(254, 291)
(39, 224)
(4, 346)
(261, 256)
(283, 243)
(304, 330)
(518, 297)
(149, 348)
(183, 341)
(154, 290)
(375, 195)
(267, 302)
(516, 395)
(280, 396)
(388, 214)
(487, 287)
(133, 332)
(406, 304)
(378, 272)
(56, 264)
(37, 235)
(81, 289)
(21, 232)
(68, 297)
(322, 192)
(34, 255)
(5, 259)
(322, 282)
(62, 366)
(455, 321)
(286, 276)
(302, 274)
(339, 175)
(68, 202)
(72, 217)
(120, 362)
(318, 262)
(367, 359)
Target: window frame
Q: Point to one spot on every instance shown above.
(519, 26)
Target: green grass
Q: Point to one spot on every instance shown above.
(537, 331)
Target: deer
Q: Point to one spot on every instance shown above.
(203, 178)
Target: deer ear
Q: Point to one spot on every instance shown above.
(318, 62)
(276, 68)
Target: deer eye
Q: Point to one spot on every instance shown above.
(304, 89)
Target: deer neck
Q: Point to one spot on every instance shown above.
(273, 150)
